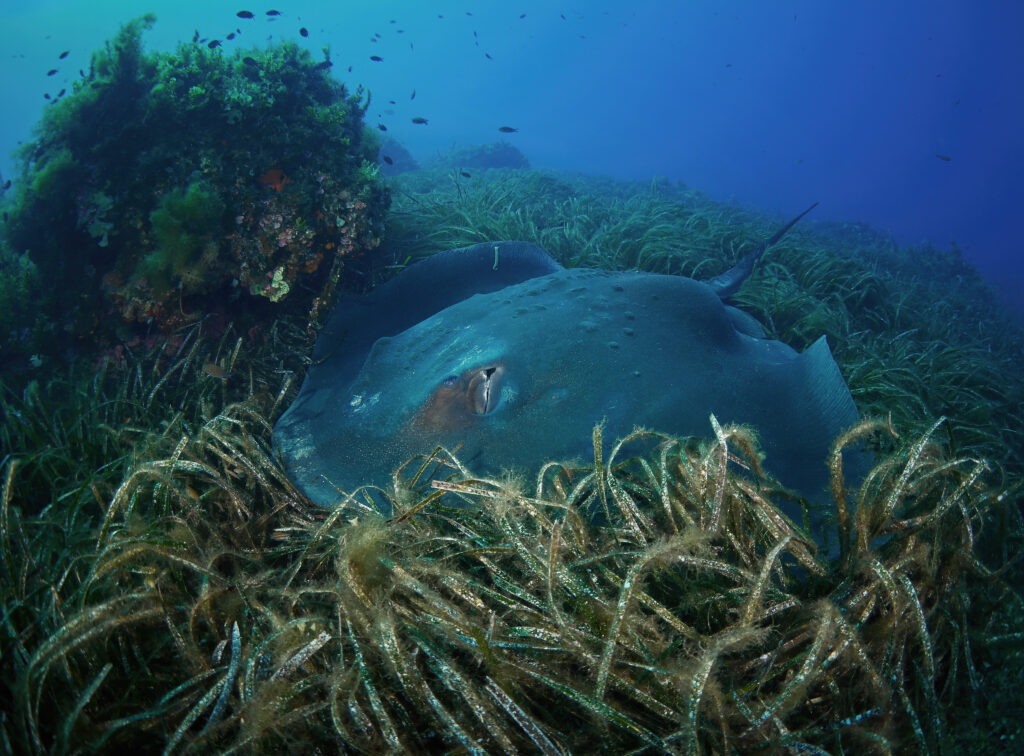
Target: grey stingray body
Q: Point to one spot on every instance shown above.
(498, 349)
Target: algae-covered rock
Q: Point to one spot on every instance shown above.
(169, 186)
(481, 156)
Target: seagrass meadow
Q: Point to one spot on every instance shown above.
(165, 588)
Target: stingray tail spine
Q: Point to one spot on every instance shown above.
(728, 283)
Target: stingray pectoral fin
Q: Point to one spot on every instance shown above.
(826, 408)
(827, 393)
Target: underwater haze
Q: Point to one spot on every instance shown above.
(903, 116)
(443, 377)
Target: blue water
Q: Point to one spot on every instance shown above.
(770, 104)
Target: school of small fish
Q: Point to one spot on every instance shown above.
(272, 15)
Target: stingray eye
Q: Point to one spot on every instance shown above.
(484, 390)
(451, 380)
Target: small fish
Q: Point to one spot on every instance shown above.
(214, 43)
(244, 14)
(51, 72)
(195, 37)
(387, 160)
(214, 370)
(350, 69)
(522, 15)
(64, 54)
(420, 120)
(465, 174)
(413, 95)
(382, 127)
(61, 92)
(323, 66)
(230, 36)
(392, 21)
(562, 15)
(273, 13)
(304, 31)
(507, 129)
(474, 34)
(488, 56)
(249, 61)
(82, 74)
(947, 158)
(376, 58)
(391, 102)
(46, 95)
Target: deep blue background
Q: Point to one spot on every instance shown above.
(770, 104)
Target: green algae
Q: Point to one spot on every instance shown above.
(187, 226)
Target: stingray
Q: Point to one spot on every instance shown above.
(499, 351)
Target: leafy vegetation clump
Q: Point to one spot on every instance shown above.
(168, 187)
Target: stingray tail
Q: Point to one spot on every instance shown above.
(728, 283)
